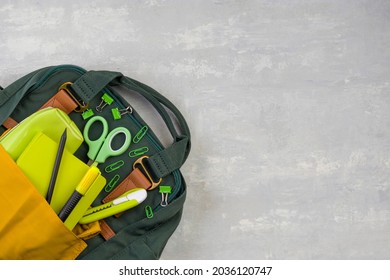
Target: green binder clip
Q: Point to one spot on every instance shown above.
(117, 114)
(106, 100)
(87, 114)
(165, 191)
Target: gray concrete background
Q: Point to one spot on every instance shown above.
(288, 102)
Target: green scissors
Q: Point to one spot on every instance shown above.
(100, 149)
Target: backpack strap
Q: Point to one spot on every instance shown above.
(12, 94)
(60, 100)
(173, 157)
(92, 82)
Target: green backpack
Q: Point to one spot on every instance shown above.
(143, 231)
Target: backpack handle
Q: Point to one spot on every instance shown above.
(167, 160)
(92, 82)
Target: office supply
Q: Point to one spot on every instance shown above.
(87, 114)
(114, 166)
(165, 191)
(117, 113)
(112, 183)
(56, 167)
(36, 162)
(79, 192)
(126, 201)
(85, 202)
(140, 134)
(106, 100)
(149, 211)
(101, 149)
(138, 152)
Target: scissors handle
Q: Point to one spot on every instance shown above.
(95, 145)
(106, 150)
(101, 148)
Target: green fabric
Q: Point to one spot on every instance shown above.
(11, 95)
(17, 99)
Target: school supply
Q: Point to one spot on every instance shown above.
(87, 114)
(81, 189)
(36, 161)
(139, 232)
(112, 183)
(106, 100)
(165, 191)
(149, 212)
(138, 152)
(140, 134)
(117, 113)
(126, 201)
(56, 167)
(101, 148)
(114, 166)
(50, 121)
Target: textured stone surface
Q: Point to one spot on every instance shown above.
(288, 103)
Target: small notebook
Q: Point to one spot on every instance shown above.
(37, 162)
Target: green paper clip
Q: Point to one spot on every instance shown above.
(140, 134)
(106, 100)
(138, 152)
(114, 166)
(112, 183)
(165, 191)
(87, 114)
(149, 211)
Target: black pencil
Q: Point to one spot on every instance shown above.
(56, 167)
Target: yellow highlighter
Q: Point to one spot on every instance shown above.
(81, 189)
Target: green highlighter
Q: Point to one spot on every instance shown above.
(126, 201)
